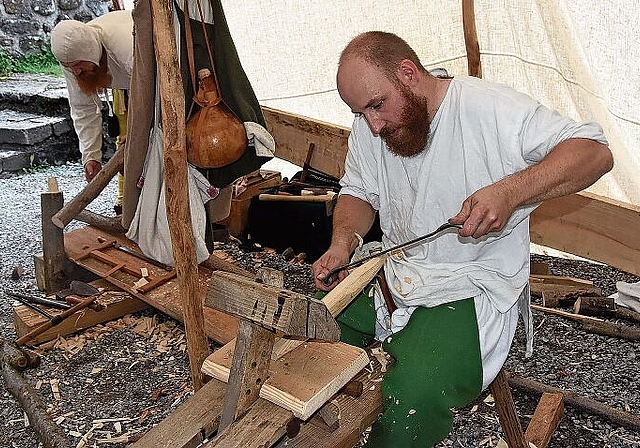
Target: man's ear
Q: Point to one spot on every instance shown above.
(408, 72)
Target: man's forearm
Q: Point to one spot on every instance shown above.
(570, 167)
(351, 216)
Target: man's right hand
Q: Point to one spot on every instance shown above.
(91, 168)
(332, 258)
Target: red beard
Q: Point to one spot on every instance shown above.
(409, 138)
(92, 83)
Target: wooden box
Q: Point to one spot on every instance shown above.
(257, 182)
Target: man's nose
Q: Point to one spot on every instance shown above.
(375, 123)
(77, 70)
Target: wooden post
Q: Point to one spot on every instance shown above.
(176, 182)
(91, 191)
(471, 39)
(52, 239)
(507, 412)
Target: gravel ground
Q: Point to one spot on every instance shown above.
(110, 384)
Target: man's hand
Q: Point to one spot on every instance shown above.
(332, 258)
(486, 210)
(91, 168)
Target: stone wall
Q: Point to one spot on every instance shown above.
(25, 24)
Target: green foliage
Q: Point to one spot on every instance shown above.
(37, 63)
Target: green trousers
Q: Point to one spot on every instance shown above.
(437, 367)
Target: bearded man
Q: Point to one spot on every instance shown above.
(424, 151)
(95, 56)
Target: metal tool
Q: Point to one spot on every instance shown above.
(330, 278)
(39, 300)
(141, 256)
(53, 319)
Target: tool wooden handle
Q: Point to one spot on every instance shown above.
(55, 321)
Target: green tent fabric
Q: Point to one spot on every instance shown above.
(234, 84)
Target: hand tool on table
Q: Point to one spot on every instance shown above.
(78, 289)
(55, 320)
(332, 273)
(28, 300)
(138, 255)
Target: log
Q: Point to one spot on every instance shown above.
(582, 403)
(595, 306)
(626, 313)
(50, 434)
(91, 191)
(564, 295)
(109, 224)
(612, 330)
(54, 256)
(176, 182)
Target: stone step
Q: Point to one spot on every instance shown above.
(21, 129)
(14, 161)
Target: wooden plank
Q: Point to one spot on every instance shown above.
(52, 243)
(590, 226)
(220, 327)
(261, 426)
(356, 414)
(293, 133)
(303, 379)
(191, 423)
(507, 412)
(116, 305)
(278, 309)
(249, 370)
(545, 419)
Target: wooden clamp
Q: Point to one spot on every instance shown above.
(262, 310)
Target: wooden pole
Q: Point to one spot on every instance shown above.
(176, 182)
(471, 38)
(53, 253)
(91, 191)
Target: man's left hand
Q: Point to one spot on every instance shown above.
(486, 210)
(91, 168)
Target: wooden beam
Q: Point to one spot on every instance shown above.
(91, 191)
(293, 133)
(191, 423)
(507, 411)
(176, 183)
(471, 39)
(52, 242)
(545, 419)
(249, 370)
(590, 226)
(278, 309)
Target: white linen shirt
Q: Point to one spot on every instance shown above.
(481, 133)
(116, 32)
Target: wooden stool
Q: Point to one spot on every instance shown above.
(543, 423)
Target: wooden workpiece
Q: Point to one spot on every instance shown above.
(116, 306)
(301, 381)
(220, 327)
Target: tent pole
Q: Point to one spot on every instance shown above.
(177, 196)
(471, 38)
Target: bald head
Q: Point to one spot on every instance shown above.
(382, 50)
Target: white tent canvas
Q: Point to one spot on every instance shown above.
(579, 57)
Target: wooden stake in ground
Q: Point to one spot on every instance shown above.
(52, 239)
(176, 182)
